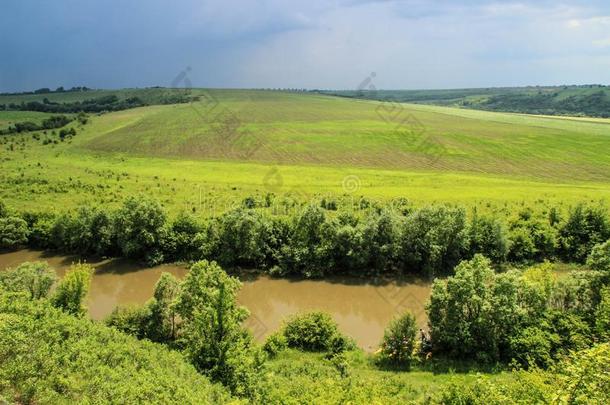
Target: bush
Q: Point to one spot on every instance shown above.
(399, 340)
(602, 316)
(274, 344)
(50, 357)
(72, 291)
(36, 279)
(132, 320)
(532, 346)
(13, 232)
(599, 258)
(314, 331)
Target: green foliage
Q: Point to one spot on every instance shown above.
(313, 331)
(585, 379)
(275, 343)
(13, 232)
(433, 239)
(182, 242)
(585, 227)
(579, 293)
(304, 253)
(50, 357)
(163, 315)
(582, 378)
(473, 313)
(599, 258)
(3, 210)
(399, 339)
(487, 236)
(72, 290)
(140, 229)
(243, 238)
(132, 320)
(214, 340)
(602, 316)
(35, 279)
(89, 232)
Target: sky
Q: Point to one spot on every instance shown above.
(314, 44)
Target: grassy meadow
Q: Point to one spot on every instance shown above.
(207, 155)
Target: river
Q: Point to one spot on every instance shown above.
(362, 309)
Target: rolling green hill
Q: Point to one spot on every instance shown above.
(234, 143)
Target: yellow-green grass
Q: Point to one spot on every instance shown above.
(310, 377)
(235, 143)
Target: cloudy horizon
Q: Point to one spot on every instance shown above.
(411, 44)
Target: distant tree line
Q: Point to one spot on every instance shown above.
(46, 90)
(315, 242)
(95, 105)
(53, 122)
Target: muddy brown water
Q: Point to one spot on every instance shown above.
(362, 309)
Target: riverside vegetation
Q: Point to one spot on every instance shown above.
(311, 186)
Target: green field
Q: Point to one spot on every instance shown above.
(231, 144)
(8, 118)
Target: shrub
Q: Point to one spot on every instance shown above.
(314, 331)
(132, 320)
(40, 225)
(274, 344)
(599, 258)
(36, 279)
(399, 340)
(13, 232)
(532, 346)
(182, 242)
(243, 239)
(602, 316)
(50, 357)
(72, 291)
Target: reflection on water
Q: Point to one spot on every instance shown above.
(361, 309)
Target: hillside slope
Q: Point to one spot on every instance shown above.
(301, 128)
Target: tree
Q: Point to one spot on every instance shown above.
(13, 232)
(486, 235)
(399, 340)
(434, 239)
(140, 229)
(35, 278)
(214, 339)
(73, 289)
(162, 308)
(474, 313)
(585, 227)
